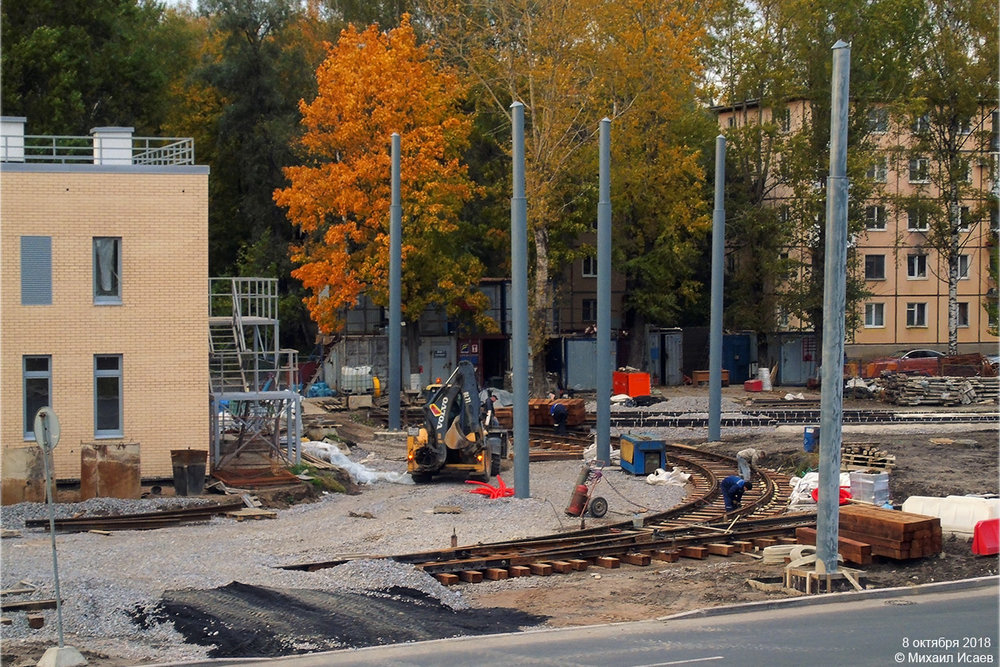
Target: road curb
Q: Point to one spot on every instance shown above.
(831, 598)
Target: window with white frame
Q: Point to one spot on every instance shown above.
(878, 120)
(964, 219)
(994, 219)
(107, 270)
(875, 315)
(916, 266)
(963, 313)
(785, 120)
(920, 170)
(921, 124)
(875, 217)
(965, 126)
(916, 220)
(874, 267)
(589, 267)
(916, 314)
(963, 267)
(37, 386)
(36, 271)
(589, 307)
(879, 170)
(108, 396)
(964, 170)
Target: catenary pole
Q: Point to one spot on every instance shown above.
(834, 307)
(605, 360)
(395, 289)
(715, 328)
(519, 311)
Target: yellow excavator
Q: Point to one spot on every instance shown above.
(458, 433)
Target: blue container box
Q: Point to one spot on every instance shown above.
(641, 455)
(810, 438)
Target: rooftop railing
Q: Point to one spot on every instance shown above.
(88, 150)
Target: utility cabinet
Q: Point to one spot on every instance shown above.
(641, 455)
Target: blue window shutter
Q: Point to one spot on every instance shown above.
(36, 270)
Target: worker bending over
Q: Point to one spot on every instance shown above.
(732, 491)
(747, 461)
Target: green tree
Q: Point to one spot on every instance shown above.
(71, 65)
(954, 74)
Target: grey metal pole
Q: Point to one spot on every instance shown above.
(834, 307)
(715, 328)
(519, 311)
(395, 289)
(605, 358)
(46, 452)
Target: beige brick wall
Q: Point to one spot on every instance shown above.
(160, 329)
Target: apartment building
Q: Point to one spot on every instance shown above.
(105, 302)
(906, 276)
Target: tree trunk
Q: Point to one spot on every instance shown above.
(953, 251)
(412, 331)
(539, 321)
(637, 343)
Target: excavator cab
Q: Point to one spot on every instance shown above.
(453, 436)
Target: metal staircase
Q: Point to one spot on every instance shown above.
(251, 380)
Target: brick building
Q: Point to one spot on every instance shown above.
(105, 293)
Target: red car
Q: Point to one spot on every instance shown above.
(916, 362)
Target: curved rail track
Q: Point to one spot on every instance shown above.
(698, 526)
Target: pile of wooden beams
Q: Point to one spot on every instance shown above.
(892, 534)
(865, 456)
(903, 389)
(539, 411)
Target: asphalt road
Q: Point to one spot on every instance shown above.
(955, 622)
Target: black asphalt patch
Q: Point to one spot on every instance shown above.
(243, 621)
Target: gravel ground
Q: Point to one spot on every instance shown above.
(105, 580)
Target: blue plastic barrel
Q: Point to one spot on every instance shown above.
(810, 438)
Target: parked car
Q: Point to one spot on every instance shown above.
(918, 362)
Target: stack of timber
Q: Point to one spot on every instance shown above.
(903, 389)
(892, 534)
(967, 365)
(865, 456)
(539, 411)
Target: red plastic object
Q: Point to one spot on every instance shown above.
(845, 494)
(753, 385)
(633, 384)
(986, 537)
(501, 490)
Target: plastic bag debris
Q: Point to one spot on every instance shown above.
(327, 451)
(661, 477)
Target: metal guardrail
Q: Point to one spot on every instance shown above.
(65, 149)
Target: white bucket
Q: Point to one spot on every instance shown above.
(414, 381)
(764, 375)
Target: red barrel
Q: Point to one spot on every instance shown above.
(577, 501)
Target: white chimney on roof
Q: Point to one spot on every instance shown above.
(112, 145)
(12, 138)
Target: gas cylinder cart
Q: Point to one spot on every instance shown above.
(583, 499)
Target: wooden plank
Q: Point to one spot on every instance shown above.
(853, 551)
(764, 542)
(495, 573)
(562, 567)
(471, 576)
(694, 552)
(519, 571)
(666, 556)
(28, 605)
(541, 569)
(721, 549)
(446, 578)
(743, 545)
(607, 562)
(636, 559)
(579, 564)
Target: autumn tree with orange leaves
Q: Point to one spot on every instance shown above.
(374, 83)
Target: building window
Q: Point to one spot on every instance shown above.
(921, 124)
(916, 266)
(36, 271)
(920, 170)
(874, 267)
(785, 120)
(37, 374)
(107, 269)
(874, 315)
(965, 126)
(916, 220)
(916, 314)
(963, 267)
(994, 219)
(108, 396)
(995, 132)
(783, 318)
(963, 314)
(875, 218)
(589, 267)
(879, 170)
(878, 120)
(964, 219)
(731, 121)
(590, 310)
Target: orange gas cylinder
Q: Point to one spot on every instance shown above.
(578, 500)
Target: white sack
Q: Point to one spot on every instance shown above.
(328, 451)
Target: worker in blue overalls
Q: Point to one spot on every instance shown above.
(559, 416)
(732, 491)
